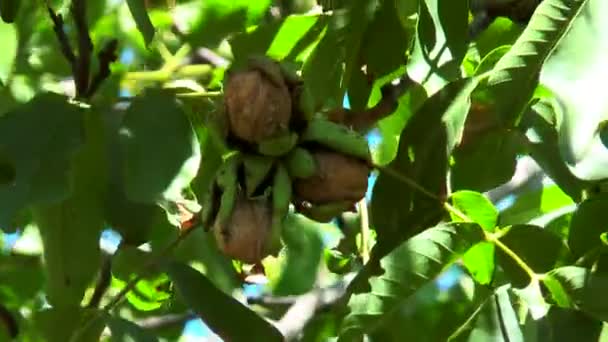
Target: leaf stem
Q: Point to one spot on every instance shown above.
(407, 180)
(522, 264)
(365, 236)
(493, 238)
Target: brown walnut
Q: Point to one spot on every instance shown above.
(258, 107)
(338, 178)
(246, 236)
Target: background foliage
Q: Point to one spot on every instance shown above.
(99, 197)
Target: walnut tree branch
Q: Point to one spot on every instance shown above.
(85, 47)
(303, 307)
(103, 281)
(64, 42)
(365, 120)
(106, 56)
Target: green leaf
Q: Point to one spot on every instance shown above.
(496, 321)
(42, 158)
(424, 148)
(304, 249)
(534, 204)
(390, 128)
(330, 67)
(7, 170)
(440, 44)
(569, 325)
(541, 122)
(515, 76)
(571, 73)
(577, 287)
(123, 330)
(9, 10)
(142, 20)
(385, 41)
(149, 294)
(70, 229)
(479, 261)
(497, 151)
(296, 34)
(9, 37)
(524, 240)
(60, 324)
(219, 19)
(588, 223)
(21, 278)
(227, 317)
(477, 207)
(533, 300)
(502, 32)
(413, 264)
(128, 260)
(158, 168)
(134, 221)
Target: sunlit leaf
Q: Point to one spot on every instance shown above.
(219, 19)
(476, 207)
(8, 34)
(577, 287)
(496, 321)
(535, 203)
(572, 72)
(142, 20)
(440, 44)
(515, 76)
(479, 261)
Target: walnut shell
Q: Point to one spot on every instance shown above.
(246, 236)
(338, 178)
(258, 107)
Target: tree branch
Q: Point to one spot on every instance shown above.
(165, 321)
(365, 120)
(85, 47)
(303, 307)
(106, 56)
(64, 42)
(103, 282)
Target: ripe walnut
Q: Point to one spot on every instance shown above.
(246, 236)
(338, 178)
(259, 107)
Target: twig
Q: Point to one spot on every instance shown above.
(64, 42)
(364, 121)
(211, 57)
(165, 321)
(103, 282)
(85, 47)
(305, 306)
(106, 56)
